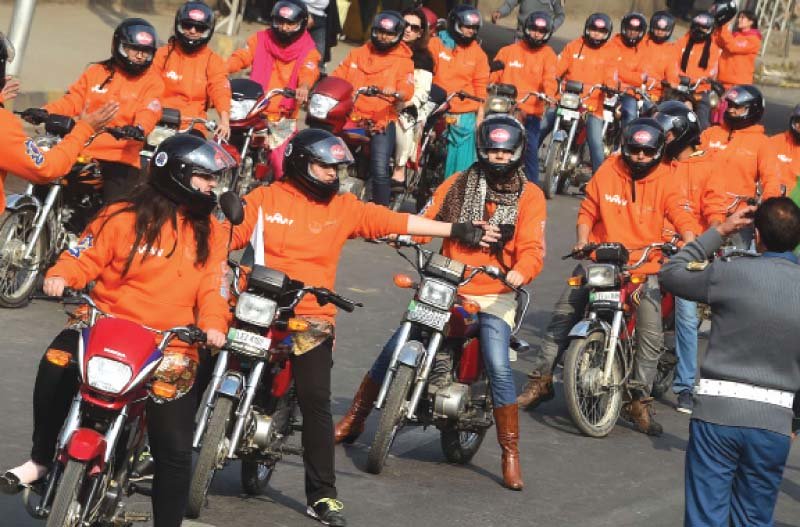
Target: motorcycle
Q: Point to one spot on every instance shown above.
(47, 219)
(686, 92)
(249, 409)
(600, 356)
(438, 346)
(105, 428)
(169, 125)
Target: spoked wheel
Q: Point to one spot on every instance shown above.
(392, 418)
(66, 509)
(460, 446)
(212, 455)
(594, 409)
(19, 275)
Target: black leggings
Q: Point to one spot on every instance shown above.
(169, 427)
(119, 180)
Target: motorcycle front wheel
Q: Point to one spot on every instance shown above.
(66, 509)
(550, 181)
(460, 446)
(18, 277)
(593, 408)
(212, 455)
(392, 417)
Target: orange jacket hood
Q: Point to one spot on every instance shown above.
(695, 176)
(737, 62)
(529, 70)
(693, 69)
(591, 66)
(463, 68)
(742, 156)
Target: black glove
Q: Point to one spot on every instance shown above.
(467, 233)
(35, 115)
(133, 132)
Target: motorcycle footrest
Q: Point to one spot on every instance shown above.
(292, 450)
(136, 516)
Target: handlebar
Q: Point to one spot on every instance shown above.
(539, 95)
(752, 201)
(464, 95)
(666, 248)
(210, 124)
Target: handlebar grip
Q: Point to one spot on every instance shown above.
(116, 133)
(289, 92)
(191, 335)
(343, 303)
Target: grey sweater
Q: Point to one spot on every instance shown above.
(526, 7)
(755, 337)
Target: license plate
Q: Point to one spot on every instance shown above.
(568, 114)
(244, 339)
(606, 296)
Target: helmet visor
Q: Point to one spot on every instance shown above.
(330, 151)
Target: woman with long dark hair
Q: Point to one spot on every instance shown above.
(157, 258)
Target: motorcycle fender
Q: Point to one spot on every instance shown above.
(560, 135)
(231, 386)
(16, 202)
(87, 445)
(583, 328)
(410, 353)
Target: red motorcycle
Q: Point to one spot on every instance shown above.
(438, 345)
(105, 428)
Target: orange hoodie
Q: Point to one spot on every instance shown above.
(630, 66)
(693, 177)
(658, 63)
(304, 238)
(739, 52)
(364, 67)
(524, 253)
(529, 70)
(693, 69)
(281, 73)
(634, 213)
(20, 155)
(742, 157)
(192, 81)
(590, 66)
(463, 68)
(782, 164)
(139, 104)
(165, 290)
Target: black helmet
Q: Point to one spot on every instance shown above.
(138, 34)
(460, 16)
(664, 21)
(702, 26)
(723, 11)
(319, 146)
(180, 157)
(633, 29)
(200, 16)
(597, 22)
(676, 117)
(644, 133)
(538, 21)
(500, 132)
(291, 11)
(794, 120)
(748, 96)
(390, 22)
(6, 55)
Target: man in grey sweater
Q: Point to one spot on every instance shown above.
(554, 7)
(741, 426)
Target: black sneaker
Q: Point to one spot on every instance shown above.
(328, 511)
(685, 402)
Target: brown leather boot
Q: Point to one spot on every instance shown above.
(539, 389)
(640, 413)
(352, 424)
(507, 422)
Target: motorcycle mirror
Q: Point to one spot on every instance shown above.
(232, 208)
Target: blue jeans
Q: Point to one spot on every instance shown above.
(732, 475)
(381, 150)
(546, 126)
(532, 152)
(594, 140)
(685, 344)
(495, 335)
(630, 110)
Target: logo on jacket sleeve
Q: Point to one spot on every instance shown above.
(83, 244)
(32, 151)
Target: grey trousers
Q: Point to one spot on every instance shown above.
(571, 307)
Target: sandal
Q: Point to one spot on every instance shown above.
(10, 484)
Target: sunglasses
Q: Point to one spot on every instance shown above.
(188, 26)
(636, 150)
(414, 27)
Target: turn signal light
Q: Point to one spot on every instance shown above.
(575, 281)
(58, 357)
(297, 325)
(451, 119)
(83, 160)
(164, 390)
(638, 279)
(403, 281)
(470, 306)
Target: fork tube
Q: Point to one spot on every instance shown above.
(210, 397)
(113, 433)
(71, 422)
(52, 194)
(556, 124)
(244, 408)
(402, 338)
(611, 347)
(573, 128)
(422, 375)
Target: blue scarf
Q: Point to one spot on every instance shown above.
(447, 39)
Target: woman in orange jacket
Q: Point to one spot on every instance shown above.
(493, 189)
(740, 49)
(386, 63)
(126, 78)
(158, 259)
(193, 74)
(697, 56)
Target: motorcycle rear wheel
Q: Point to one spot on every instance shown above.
(66, 509)
(19, 279)
(460, 446)
(552, 177)
(593, 410)
(392, 418)
(214, 450)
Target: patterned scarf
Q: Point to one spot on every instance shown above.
(466, 200)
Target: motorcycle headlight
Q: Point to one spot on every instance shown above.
(602, 275)
(437, 294)
(255, 310)
(240, 109)
(319, 105)
(499, 105)
(107, 375)
(158, 134)
(571, 100)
